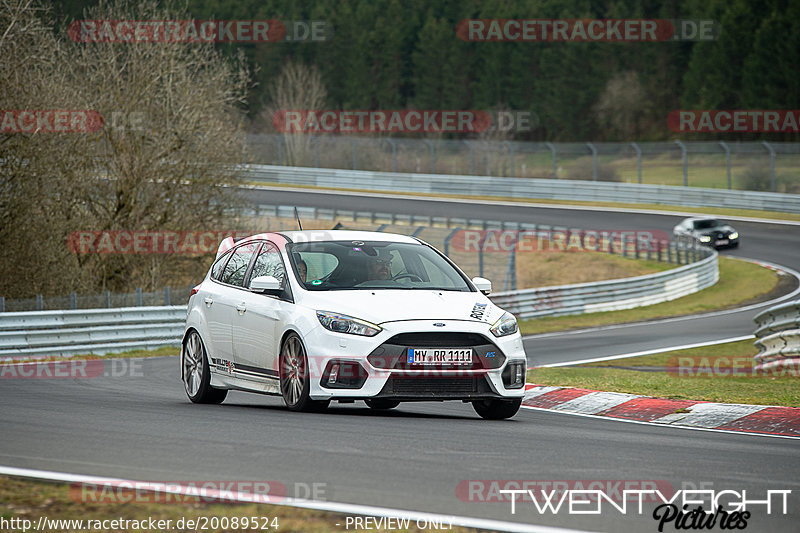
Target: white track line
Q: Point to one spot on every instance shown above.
(319, 190)
(344, 508)
(648, 352)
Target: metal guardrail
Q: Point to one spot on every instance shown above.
(532, 188)
(611, 295)
(66, 333)
(99, 331)
(778, 337)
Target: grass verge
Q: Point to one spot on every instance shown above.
(26, 499)
(739, 282)
(721, 373)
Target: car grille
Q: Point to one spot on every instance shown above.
(393, 353)
(433, 386)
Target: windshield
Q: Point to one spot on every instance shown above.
(706, 224)
(340, 265)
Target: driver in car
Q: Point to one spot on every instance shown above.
(380, 266)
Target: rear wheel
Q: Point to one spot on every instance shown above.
(294, 376)
(496, 409)
(381, 404)
(196, 375)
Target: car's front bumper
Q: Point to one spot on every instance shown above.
(376, 367)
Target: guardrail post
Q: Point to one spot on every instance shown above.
(167, 300)
(138, 297)
(594, 160)
(685, 161)
(511, 154)
(39, 302)
(108, 299)
(2, 304)
(555, 165)
(727, 161)
(73, 300)
(624, 241)
(417, 231)
(447, 241)
(394, 153)
(771, 165)
(471, 158)
(638, 160)
(511, 270)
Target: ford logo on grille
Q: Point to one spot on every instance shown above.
(439, 324)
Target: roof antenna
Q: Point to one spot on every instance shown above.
(297, 216)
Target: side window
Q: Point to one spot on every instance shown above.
(216, 270)
(237, 266)
(269, 263)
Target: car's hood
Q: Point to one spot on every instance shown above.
(719, 229)
(379, 306)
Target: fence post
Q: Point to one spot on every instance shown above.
(594, 160)
(669, 251)
(39, 302)
(108, 299)
(73, 300)
(417, 231)
(138, 297)
(315, 142)
(555, 165)
(447, 241)
(355, 160)
(394, 153)
(511, 154)
(433, 155)
(167, 300)
(2, 304)
(727, 162)
(638, 160)
(771, 165)
(280, 149)
(471, 158)
(685, 163)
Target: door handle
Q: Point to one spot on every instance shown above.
(241, 308)
(208, 301)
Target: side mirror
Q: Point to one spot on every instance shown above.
(265, 284)
(483, 285)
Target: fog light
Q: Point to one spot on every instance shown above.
(514, 375)
(333, 375)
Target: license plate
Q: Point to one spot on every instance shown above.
(440, 356)
(720, 242)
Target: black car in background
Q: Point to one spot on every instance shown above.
(708, 231)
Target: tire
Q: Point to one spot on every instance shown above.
(496, 409)
(381, 404)
(196, 374)
(294, 377)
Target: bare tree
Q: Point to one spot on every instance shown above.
(298, 87)
(623, 106)
(168, 148)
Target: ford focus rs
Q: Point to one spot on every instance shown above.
(315, 316)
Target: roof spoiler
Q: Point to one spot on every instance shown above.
(226, 244)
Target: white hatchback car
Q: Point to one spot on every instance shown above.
(367, 316)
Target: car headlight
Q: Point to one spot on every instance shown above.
(347, 324)
(734, 235)
(505, 325)
(705, 238)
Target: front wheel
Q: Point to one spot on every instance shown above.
(294, 377)
(196, 375)
(496, 409)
